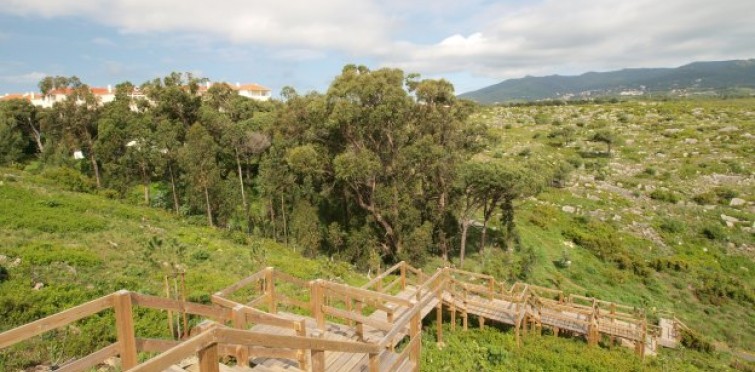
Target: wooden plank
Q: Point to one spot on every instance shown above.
(266, 352)
(159, 303)
(241, 283)
(383, 326)
(234, 336)
(318, 360)
(208, 358)
(124, 326)
(365, 293)
(51, 322)
(259, 300)
(155, 345)
(92, 359)
(260, 317)
(382, 276)
(178, 352)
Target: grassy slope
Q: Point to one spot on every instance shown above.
(688, 148)
(83, 246)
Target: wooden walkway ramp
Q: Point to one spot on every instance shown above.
(271, 321)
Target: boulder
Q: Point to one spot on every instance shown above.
(568, 209)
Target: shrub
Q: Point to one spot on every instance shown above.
(69, 179)
(695, 341)
(4, 275)
(200, 255)
(714, 232)
(665, 196)
(672, 226)
(705, 198)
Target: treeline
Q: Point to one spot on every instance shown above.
(383, 166)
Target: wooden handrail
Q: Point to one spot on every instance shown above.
(161, 303)
(179, 352)
(382, 276)
(363, 294)
(242, 283)
(51, 322)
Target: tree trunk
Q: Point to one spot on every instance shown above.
(145, 182)
(173, 188)
(37, 137)
(243, 193)
(96, 168)
(508, 220)
(283, 216)
(272, 219)
(463, 250)
(209, 208)
(484, 235)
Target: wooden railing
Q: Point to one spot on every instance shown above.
(256, 299)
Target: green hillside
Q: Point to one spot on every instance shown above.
(81, 246)
(706, 78)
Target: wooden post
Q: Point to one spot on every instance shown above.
(415, 331)
(464, 301)
(301, 331)
(360, 326)
(270, 290)
(453, 315)
(403, 274)
(124, 325)
(374, 363)
(316, 302)
(349, 308)
(239, 322)
(491, 287)
(183, 299)
(170, 313)
(482, 322)
(318, 360)
(439, 319)
(208, 359)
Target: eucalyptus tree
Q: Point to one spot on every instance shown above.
(76, 117)
(172, 106)
(198, 157)
(11, 140)
(27, 119)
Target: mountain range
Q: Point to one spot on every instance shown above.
(718, 77)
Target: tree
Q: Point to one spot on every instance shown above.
(26, 117)
(605, 136)
(77, 118)
(11, 141)
(199, 159)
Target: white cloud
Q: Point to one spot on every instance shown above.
(27, 78)
(346, 25)
(501, 39)
(580, 35)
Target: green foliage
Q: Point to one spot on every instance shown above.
(305, 227)
(714, 231)
(68, 178)
(4, 274)
(667, 196)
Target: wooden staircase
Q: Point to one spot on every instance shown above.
(271, 321)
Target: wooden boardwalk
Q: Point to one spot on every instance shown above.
(271, 321)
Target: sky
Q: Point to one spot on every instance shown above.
(306, 43)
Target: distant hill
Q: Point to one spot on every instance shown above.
(694, 78)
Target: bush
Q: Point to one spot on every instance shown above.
(4, 274)
(69, 179)
(665, 196)
(672, 226)
(695, 341)
(714, 232)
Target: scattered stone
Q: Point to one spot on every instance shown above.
(690, 141)
(15, 262)
(38, 286)
(568, 209)
(616, 217)
(3, 258)
(730, 221)
(736, 202)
